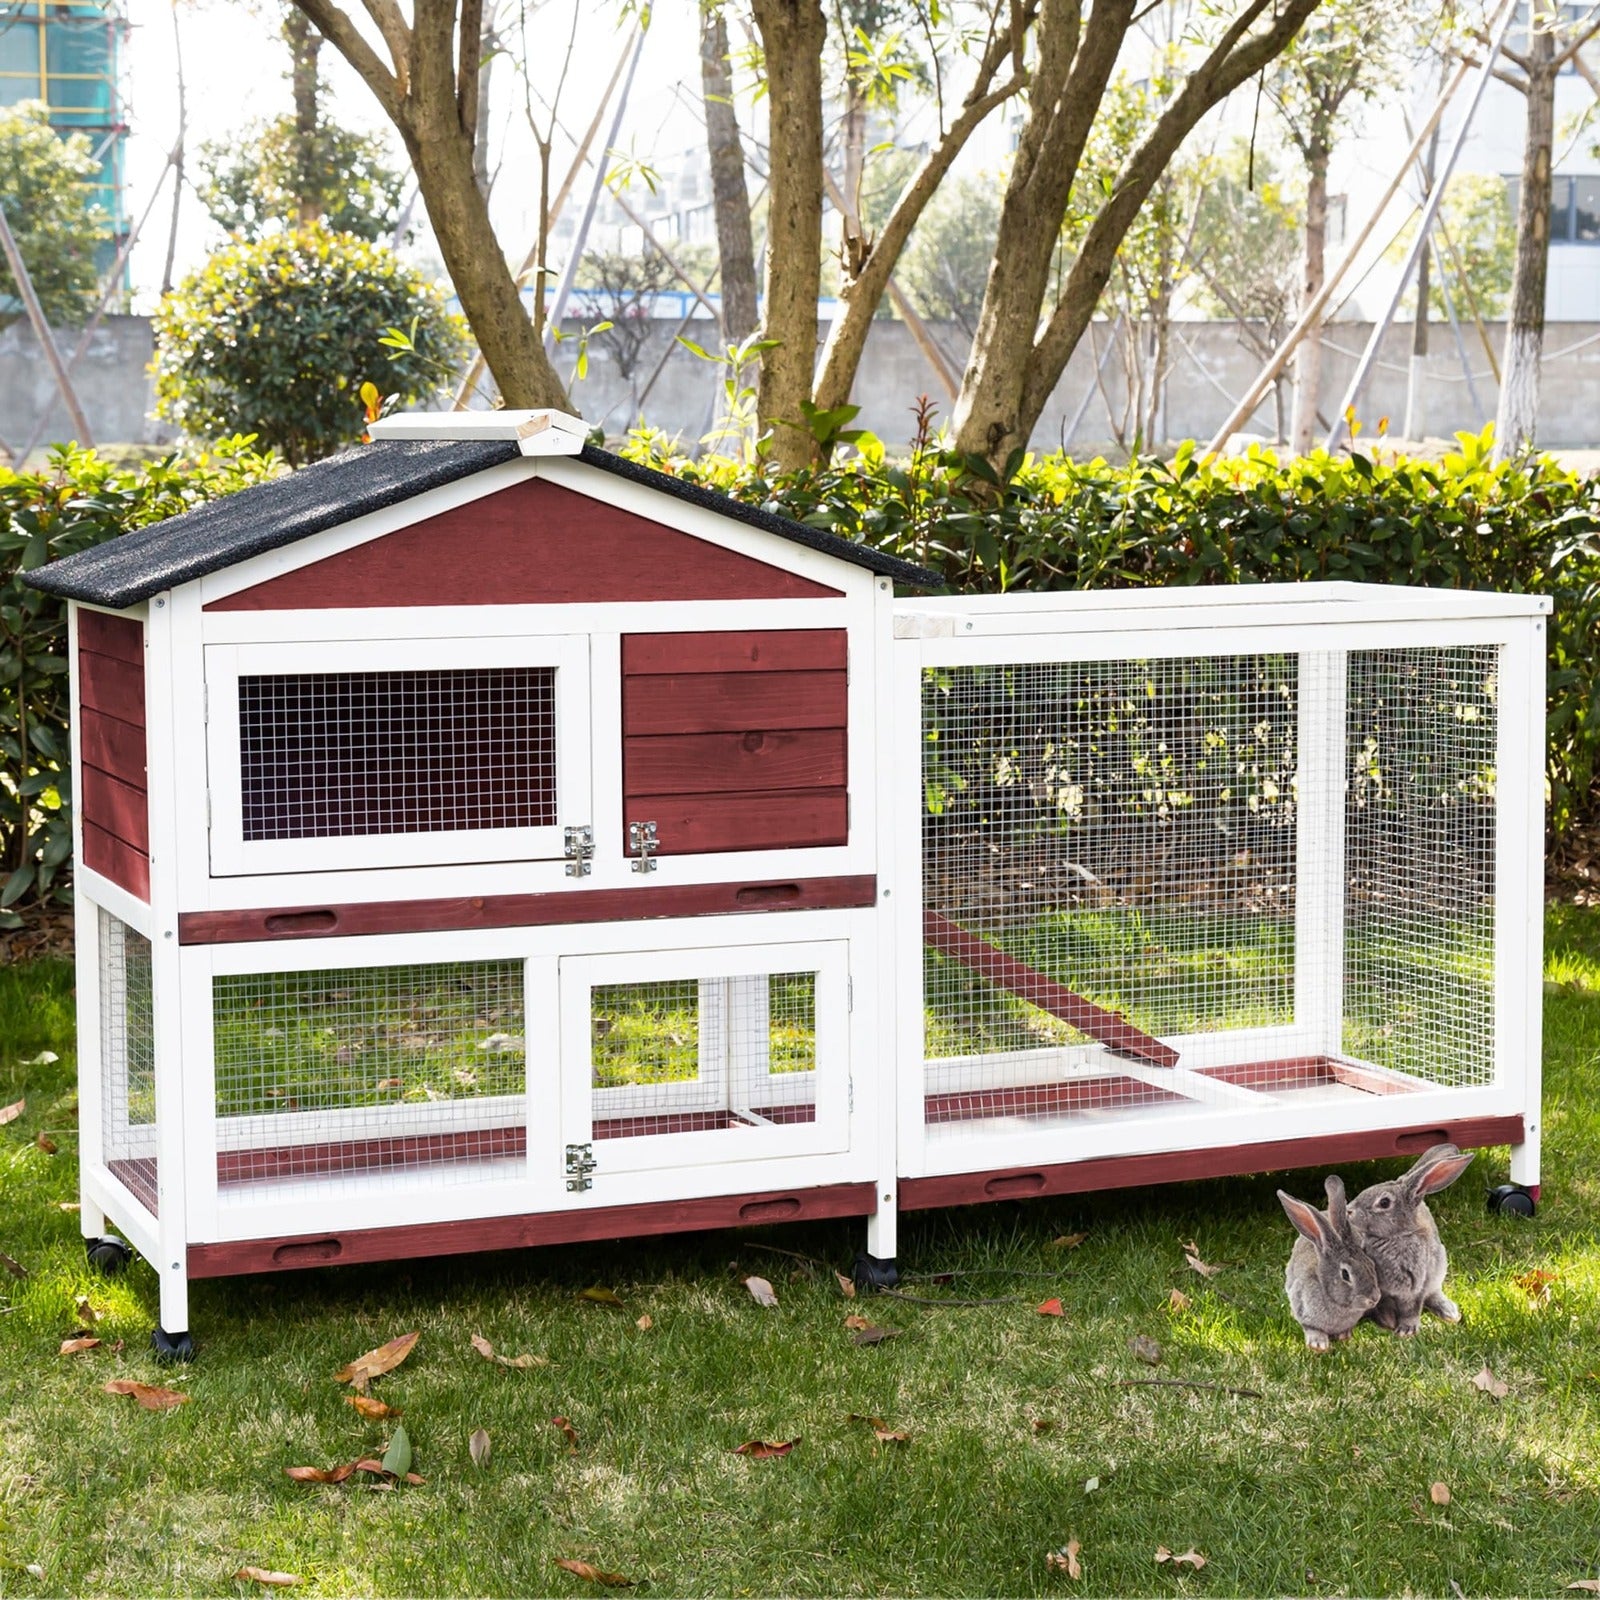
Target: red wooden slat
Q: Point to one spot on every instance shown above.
(116, 807)
(685, 763)
(733, 702)
(534, 543)
(112, 686)
(1179, 1166)
(112, 745)
(368, 1155)
(981, 957)
(777, 650)
(643, 903)
(517, 1233)
(121, 863)
(786, 819)
(121, 637)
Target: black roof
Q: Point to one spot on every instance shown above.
(267, 516)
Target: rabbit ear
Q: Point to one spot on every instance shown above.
(1447, 1164)
(1337, 1214)
(1307, 1219)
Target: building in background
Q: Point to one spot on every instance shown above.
(68, 54)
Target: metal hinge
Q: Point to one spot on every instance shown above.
(579, 851)
(580, 1163)
(642, 841)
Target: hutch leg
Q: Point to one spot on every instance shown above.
(91, 1219)
(876, 1268)
(1525, 1161)
(170, 1340)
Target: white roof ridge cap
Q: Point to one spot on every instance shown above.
(477, 425)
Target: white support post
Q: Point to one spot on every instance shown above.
(1321, 778)
(736, 1032)
(86, 962)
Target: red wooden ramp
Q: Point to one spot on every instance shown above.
(1111, 1028)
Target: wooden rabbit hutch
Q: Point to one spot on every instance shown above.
(486, 842)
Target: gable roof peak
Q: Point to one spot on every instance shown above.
(537, 433)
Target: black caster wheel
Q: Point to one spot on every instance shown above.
(171, 1347)
(1512, 1200)
(108, 1256)
(870, 1273)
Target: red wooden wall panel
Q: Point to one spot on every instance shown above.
(534, 543)
(112, 782)
(737, 741)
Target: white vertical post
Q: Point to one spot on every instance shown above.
(550, 1084)
(736, 1035)
(86, 962)
(1321, 778)
(1519, 886)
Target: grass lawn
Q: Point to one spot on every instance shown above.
(1319, 1484)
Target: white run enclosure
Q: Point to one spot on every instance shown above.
(1195, 871)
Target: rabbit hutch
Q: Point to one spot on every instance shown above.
(484, 842)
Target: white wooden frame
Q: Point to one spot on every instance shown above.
(233, 855)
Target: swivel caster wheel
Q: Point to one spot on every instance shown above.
(109, 1256)
(1512, 1200)
(171, 1347)
(872, 1273)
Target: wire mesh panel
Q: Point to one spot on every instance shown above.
(335, 754)
(1108, 860)
(696, 1055)
(128, 1059)
(1420, 850)
(370, 1069)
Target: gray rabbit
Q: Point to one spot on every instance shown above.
(1394, 1226)
(1330, 1282)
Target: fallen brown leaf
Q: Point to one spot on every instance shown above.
(1178, 1301)
(564, 1427)
(70, 1347)
(1146, 1349)
(868, 1334)
(46, 1143)
(644, 1324)
(11, 1112)
(1066, 1559)
(1191, 1254)
(13, 1266)
(600, 1297)
(1190, 1557)
(857, 1321)
(478, 1447)
(521, 1363)
(1051, 1308)
(1043, 1424)
(148, 1395)
(321, 1474)
(274, 1580)
(759, 1449)
(891, 1436)
(582, 1569)
(375, 1363)
(1069, 1241)
(1439, 1493)
(390, 1083)
(1536, 1285)
(847, 1286)
(861, 1416)
(373, 1409)
(1490, 1384)
(760, 1291)
(86, 1311)
(1588, 1585)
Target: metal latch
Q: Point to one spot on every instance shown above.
(580, 1163)
(642, 841)
(579, 851)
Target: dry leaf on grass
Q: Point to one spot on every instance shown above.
(1490, 1384)
(71, 1347)
(370, 1408)
(644, 1324)
(521, 1363)
(375, 1363)
(600, 1297)
(759, 1449)
(582, 1569)
(760, 1291)
(68, 1205)
(340, 1474)
(1069, 1241)
(478, 1447)
(46, 1143)
(1588, 1585)
(847, 1286)
(863, 1332)
(1190, 1557)
(565, 1428)
(1051, 1308)
(1146, 1349)
(86, 1312)
(1191, 1254)
(273, 1580)
(1043, 1424)
(148, 1395)
(1439, 1493)
(13, 1266)
(45, 1058)
(1066, 1559)
(891, 1436)
(1178, 1301)
(1536, 1285)
(12, 1112)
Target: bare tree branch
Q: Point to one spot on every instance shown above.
(346, 38)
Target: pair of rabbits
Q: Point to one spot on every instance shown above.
(1379, 1258)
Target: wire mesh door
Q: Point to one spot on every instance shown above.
(127, 1059)
(696, 1057)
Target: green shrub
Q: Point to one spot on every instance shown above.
(78, 501)
(1460, 523)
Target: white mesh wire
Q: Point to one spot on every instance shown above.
(1420, 849)
(335, 754)
(369, 1070)
(127, 1059)
(701, 1054)
(1120, 833)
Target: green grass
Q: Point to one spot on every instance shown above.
(1319, 1486)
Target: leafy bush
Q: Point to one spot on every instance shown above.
(278, 334)
(1460, 523)
(80, 500)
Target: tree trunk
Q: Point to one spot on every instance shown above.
(792, 37)
(480, 143)
(1308, 358)
(731, 195)
(1517, 421)
(305, 43)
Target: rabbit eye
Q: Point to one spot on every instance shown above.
(1344, 1272)
(1384, 1202)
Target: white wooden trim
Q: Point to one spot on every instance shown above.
(902, 781)
(1321, 780)
(125, 1214)
(198, 1034)
(123, 906)
(505, 424)
(362, 1124)
(874, 1079)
